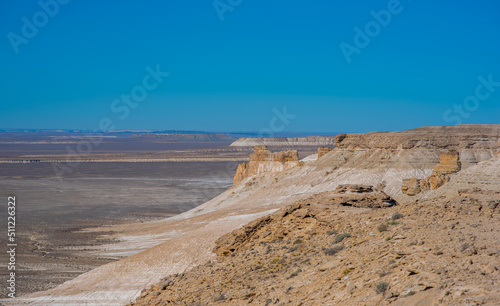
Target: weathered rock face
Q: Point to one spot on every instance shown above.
(449, 163)
(474, 142)
(459, 137)
(411, 186)
(264, 160)
(361, 196)
(323, 150)
(353, 188)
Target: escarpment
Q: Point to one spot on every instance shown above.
(264, 160)
(434, 152)
(449, 163)
(474, 142)
(388, 158)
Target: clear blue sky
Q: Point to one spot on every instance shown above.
(229, 75)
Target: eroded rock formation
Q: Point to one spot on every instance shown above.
(411, 186)
(264, 160)
(361, 196)
(459, 137)
(449, 163)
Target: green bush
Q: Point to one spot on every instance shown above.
(333, 251)
(341, 237)
(221, 297)
(397, 216)
(382, 287)
(382, 227)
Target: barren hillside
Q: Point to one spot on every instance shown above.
(323, 251)
(177, 244)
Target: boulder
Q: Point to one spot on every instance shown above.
(411, 186)
(356, 188)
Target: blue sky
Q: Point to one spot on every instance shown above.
(421, 68)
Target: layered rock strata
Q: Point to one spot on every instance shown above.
(449, 163)
(264, 160)
(441, 137)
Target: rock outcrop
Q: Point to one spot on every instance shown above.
(474, 142)
(323, 150)
(444, 137)
(264, 160)
(411, 186)
(449, 163)
(282, 223)
(360, 196)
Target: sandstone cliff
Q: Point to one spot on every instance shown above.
(264, 160)
(474, 142)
